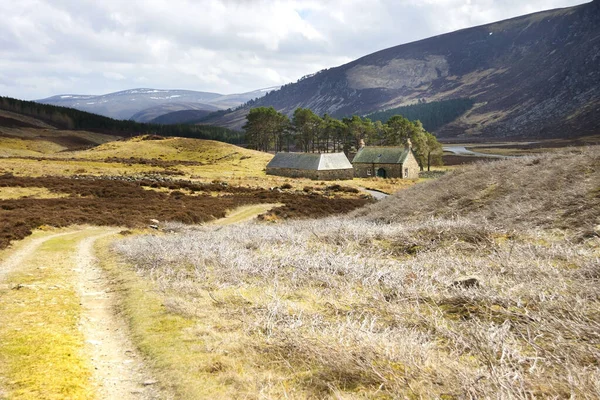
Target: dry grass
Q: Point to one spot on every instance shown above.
(245, 213)
(9, 193)
(14, 147)
(31, 167)
(378, 304)
(552, 191)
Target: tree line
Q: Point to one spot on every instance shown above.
(70, 118)
(269, 130)
(432, 115)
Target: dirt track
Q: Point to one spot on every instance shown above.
(118, 370)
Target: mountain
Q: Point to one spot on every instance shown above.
(234, 100)
(145, 104)
(531, 76)
(152, 113)
(16, 114)
(180, 117)
(124, 104)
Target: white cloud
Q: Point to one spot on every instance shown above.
(86, 46)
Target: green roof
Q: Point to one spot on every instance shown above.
(381, 155)
(310, 161)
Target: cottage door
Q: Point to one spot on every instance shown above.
(381, 173)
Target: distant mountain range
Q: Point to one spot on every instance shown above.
(533, 76)
(144, 105)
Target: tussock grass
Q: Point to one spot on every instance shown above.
(558, 190)
(375, 304)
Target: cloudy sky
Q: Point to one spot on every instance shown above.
(50, 47)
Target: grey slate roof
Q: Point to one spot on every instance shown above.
(310, 161)
(381, 155)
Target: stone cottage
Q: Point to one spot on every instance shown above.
(322, 166)
(386, 162)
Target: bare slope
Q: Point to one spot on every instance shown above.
(531, 76)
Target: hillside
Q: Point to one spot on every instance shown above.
(155, 113)
(73, 119)
(180, 117)
(26, 136)
(184, 150)
(555, 190)
(139, 104)
(534, 76)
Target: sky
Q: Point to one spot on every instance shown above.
(50, 47)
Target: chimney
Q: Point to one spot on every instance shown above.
(361, 144)
(408, 144)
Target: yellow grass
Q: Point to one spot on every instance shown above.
(169, 149)
(41, 356)
(245, 213)
(15, 147)
(8, 193)
(57, 167)
(33, 142)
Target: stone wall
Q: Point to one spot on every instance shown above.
(327, 175)
(391, 170)
(412, 165)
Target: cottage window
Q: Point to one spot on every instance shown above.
(369, 171)
(406, 172)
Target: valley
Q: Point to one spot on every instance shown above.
(219, 281)
(428, 292)
(446, 247)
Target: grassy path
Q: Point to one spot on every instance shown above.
(59, 335)
(245, 213)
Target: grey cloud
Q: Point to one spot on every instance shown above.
(87, 46)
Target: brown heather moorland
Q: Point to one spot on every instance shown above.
(115, 202)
